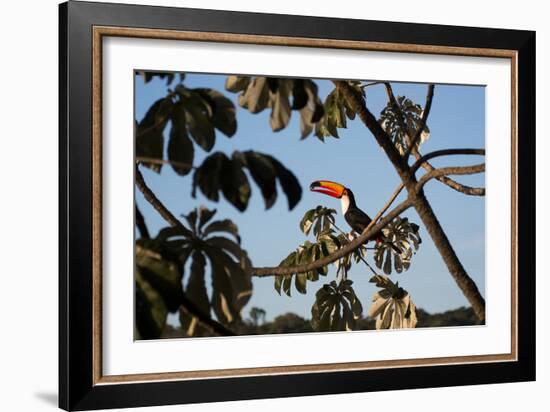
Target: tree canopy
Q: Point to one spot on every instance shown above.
(196, 266)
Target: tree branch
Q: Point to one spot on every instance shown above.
(373, 228)
(358, 105)
(445, 152)
(453, 184)
(417, 165)
(203, 319)
(367, 234)
(140, 223)
(154, 160)
(423, 121)
(454, 170)
(157, 204)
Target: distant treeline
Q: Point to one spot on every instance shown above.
(292, 323)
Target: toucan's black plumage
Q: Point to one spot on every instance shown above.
(355, 217)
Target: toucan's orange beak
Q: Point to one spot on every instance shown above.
(328, 188)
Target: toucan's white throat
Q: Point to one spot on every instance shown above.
(345, 203)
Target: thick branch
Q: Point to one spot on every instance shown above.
(465, 283)
(367, 234)
(358, 105)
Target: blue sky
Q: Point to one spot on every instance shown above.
(457, 120)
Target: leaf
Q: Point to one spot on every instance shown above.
(259, 93)
(223, 111)
(392, 306)
(336, 307)
(196, 286)
(412, 119)
(180, 147)
(225, 225)
(205, 215)
(235, 186)
(222, 291)
(280, 113)
(398, 234)
(237, 83)
(307, 221)
(207, 176)
(162, 274)
(191, 218)
(264, 174)
(197, 117)
(299, 95)
(217, 172)
(278, 284)
(256, 96)
(149, 132)
(287, 282)
(151, 311)
(288, 182)
(233, 248)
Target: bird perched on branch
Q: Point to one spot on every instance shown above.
(355, 217)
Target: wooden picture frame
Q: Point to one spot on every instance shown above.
(83, 26)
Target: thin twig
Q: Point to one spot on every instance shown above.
(423, 120)
(140, 223)
(444, 171)
(347, 241)
(204, 319)
(370, 84)
(445, 152)
(154, 160)
(157, 204)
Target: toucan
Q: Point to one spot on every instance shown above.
(355, 217)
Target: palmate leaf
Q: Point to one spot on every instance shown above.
(161, 271)
(403, 235)
(209, 256)
(392, 306)
(319, 219)
(280, 95)
(197, 293)
(336, 307)
(194, 116)
(230, 279)
(220, 173)
(307, 252)
(337, 109)
(412, 114)
(149, 132)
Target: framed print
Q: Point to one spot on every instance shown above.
(257, 206)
